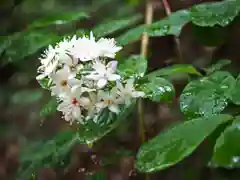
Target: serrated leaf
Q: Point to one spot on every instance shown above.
(183, 68)
(42, 154)
(158, 89)
(227, 148)
(134, 66)
(217, 13)
(172, 25)
(115, 25)
(58, 19)
(49, 108)
(26, 96)
(207, 96)
(104, 123)
(173, 145)
(218, 66)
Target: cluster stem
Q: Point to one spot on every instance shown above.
(144, 50)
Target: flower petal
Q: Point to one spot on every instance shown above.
(101, 83)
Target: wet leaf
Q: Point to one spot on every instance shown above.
(102, 124)
(49, 108)
(235, 95)
(43, 154)
(183, 68)
(172, 25)
(45, 83)
(134, 66)
(27, 43)
(174, 144)
(58, 19)
(218, 66)
(115, 25)
(227, 148)
(207, 96)
(158, 89)
(217, 13)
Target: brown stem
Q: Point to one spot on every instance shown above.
(144, 50)
(176, 39)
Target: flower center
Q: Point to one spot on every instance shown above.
(108, 102)
(74, 101)
(63, 83)
(72, 68)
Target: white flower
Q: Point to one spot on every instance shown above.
(128, 92)
(108, 100)
(72, 105)
(63, 82)
(104, 73)
(108, 47)
(49, 63)
(63, 50)
(85, 48)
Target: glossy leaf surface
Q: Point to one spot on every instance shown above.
(235, 95)
(104, 123)
(207, 96)
(158, 89)
(30, 42)
(227, 148)
(173, 145)
(134, 66)
(183, 68)
(171, 25)
(218, 13)
(59, 19)
(49, 108)
(115, 25)
(42, 154)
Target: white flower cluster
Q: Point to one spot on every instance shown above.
(83, 76)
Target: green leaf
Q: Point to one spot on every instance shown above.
(134, 66)
(158, 89)
(26, 96)
(27, 43)
(183, 68)
(235, 95)
(218, 13)
(45, 83)
(218, 66)
(104, 123)
(172, 25)
(49, 108)
(173, 145)
(207, 96)
(42, 154)
(227, 148)
(58, 19)
(115, 25)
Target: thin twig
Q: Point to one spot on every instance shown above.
(144, 50)
(176, 39)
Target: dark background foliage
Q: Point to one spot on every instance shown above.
(21, 97)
